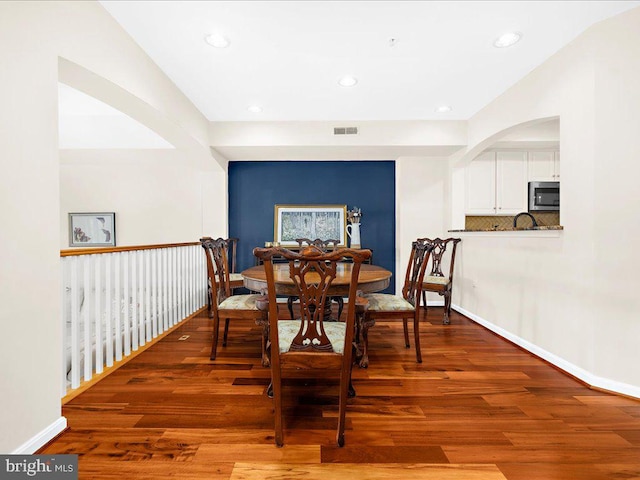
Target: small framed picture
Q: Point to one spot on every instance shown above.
(92, 229)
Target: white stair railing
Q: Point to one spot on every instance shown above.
(116, 300)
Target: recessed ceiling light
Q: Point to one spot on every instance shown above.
(443, 109)
(347, 81)
(254, 108)
(217, 40)
(507, 39)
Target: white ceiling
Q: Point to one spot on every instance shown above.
(287, 56)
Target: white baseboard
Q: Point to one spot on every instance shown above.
(578, 372)
(435, 303)
(32, 445)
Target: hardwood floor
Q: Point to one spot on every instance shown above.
(477, 408)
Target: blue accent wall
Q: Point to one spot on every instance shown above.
(256, 187)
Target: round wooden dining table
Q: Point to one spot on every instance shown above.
(371, 278)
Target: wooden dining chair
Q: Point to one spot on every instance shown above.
(222, 303)
(436, 280)
(311, 343)
(386, 306)
(329, 245)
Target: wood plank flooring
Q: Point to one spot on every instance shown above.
(477, 408)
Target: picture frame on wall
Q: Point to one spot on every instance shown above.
(309, 221)
(92, 229)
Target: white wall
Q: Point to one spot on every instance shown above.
(156, 194)
(33, 37)
(571, 297)
(420, 207)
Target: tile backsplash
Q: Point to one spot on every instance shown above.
(488, 222)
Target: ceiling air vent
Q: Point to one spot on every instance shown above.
(345, 130)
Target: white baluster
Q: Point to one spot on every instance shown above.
(162, 273)
(183, 280)
(97, 314)
(134, 300)
(172, 286)
(75, 338)
(163, 284)
(178, 284)
(118, 307)
(147, 286)
(127, 305)
(202, 277)
(86, 320)
(108, 330)
(142, 338)
(66, 318)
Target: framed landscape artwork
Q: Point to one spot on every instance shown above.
(92, 229)
(309, 221)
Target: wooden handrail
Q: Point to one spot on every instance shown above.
(90, 251)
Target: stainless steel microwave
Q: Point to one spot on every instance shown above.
(544, 196)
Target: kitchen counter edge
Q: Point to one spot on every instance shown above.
(503, 229)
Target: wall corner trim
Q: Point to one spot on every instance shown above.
(42, 438)
(593, 381)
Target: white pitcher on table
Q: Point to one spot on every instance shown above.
(353, 230)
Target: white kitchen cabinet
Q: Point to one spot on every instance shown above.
(544, 166)
(496, 184)
(480, 181)
(511, 185)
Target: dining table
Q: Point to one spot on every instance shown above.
(371, 278)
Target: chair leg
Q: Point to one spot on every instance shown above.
(266, 344)
(270, 390)
(226, 332)
(346, 387)
(340, 302)
(290, 301)
(214, 341)
(209, 304)
(276, 384)
(447, 308)
(416, 333)
(366, 325)
(424, 299)
(406, 333)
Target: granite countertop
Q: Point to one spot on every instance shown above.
(511, 229)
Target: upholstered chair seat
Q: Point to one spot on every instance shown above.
(436, 280)
(239, 302)
(383, 302)
(288, 329)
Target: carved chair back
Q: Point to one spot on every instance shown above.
(232, 248)
(415, 272)
(324, 245)
(439, 248)
(217, 269)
